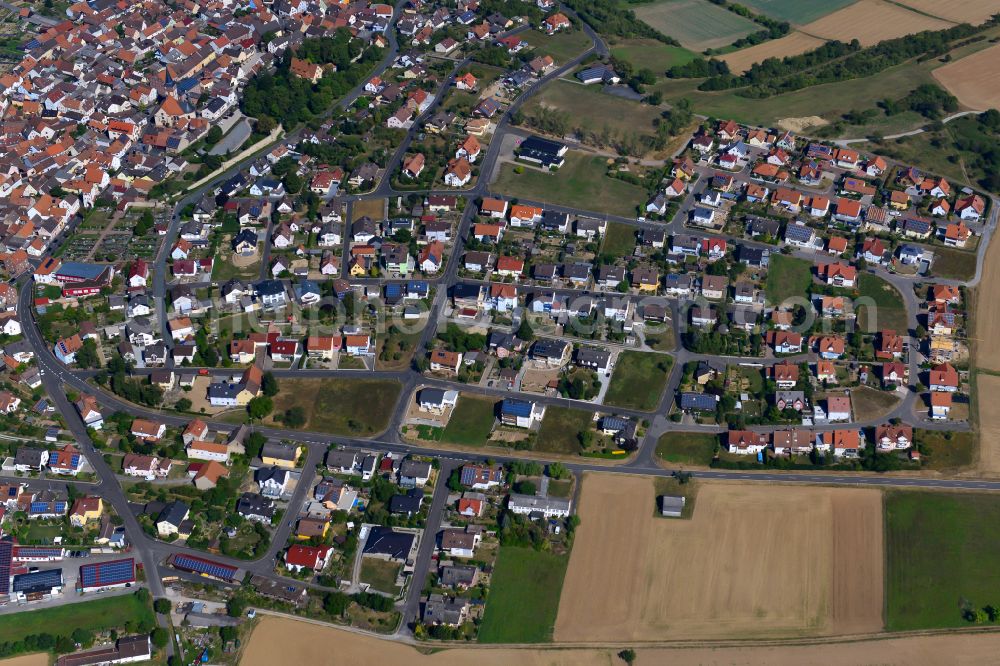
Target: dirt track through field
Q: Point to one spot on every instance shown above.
(974, 79)
(754, 561)
(793, 44)
(872, 21)
(285, 641)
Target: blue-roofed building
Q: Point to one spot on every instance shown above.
(75, 271)
(393, 293)
(417, 289)
(47, 509)
(799, 235)
(698, 402)
(542, 151)
(107, 575)
(37, 553)
(203, 567)
(521, 413)
(37, 585)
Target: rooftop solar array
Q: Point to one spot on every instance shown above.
(101, 574)
(37, 581)
(200, 565)
(5, 554)
(35, 552)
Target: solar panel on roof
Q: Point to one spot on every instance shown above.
(207, 567)
(5, 554)
(114, 572)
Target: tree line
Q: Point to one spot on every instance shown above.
(609, 18)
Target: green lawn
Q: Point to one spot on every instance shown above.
(940, 452)
(562, 46)
(97, 615)
(687, 448)
(697, 24)
(561, 428)
(339, 406)
(581, 182)
(524, 596)
(787, 277)
(796, 11)
(651, 54)
(888, 311)
(380, 574)
(595, 112)
(471, 421)
(953, 264)
(941, 550)
(638, 380)
(619, 241)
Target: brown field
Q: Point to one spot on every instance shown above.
(793, 44)
(726, 573)
(988, 386)
(986, 317)
(960, 11)
(36, 659)
(974, 79)
(269, 644)
(870, 22)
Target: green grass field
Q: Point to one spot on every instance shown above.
(581, 182)
(471, 422)
(686, 448)
(340, 406)
(594, 111)
(560, 429)
(380, 574)
(638, 380)
(940, 550)
(697, 24)
(953, 264)
(562, 46)
(619, 241)
(888, 311)
(868, 403)
(524, 596)
(787, 277)
(97, 615)
(651, 54)
(796, 11)
(940, 452)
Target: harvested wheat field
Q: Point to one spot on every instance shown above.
(974, 79)
(754, 560)
(36, 659)
(793, 44)
(960, 11)
(329, 646)
(987, 388)
(870, 22)
(986, 317)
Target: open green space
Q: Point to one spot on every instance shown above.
(697, 24)
(619, 240)
(954, 264)
(561, 428)
(787, 277)
(380, 574)
(869, 404)
(562, 46)
(638, 380)
(524, 596)
(651, 54)
(946, 450)
(100, 614)
(339, 406)
(581, 182)
(471, 421)
(796, 11)
(590, 111)
(42, 533)
(940, 556)
(687, 448)
(828, 101)
(888, 311)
